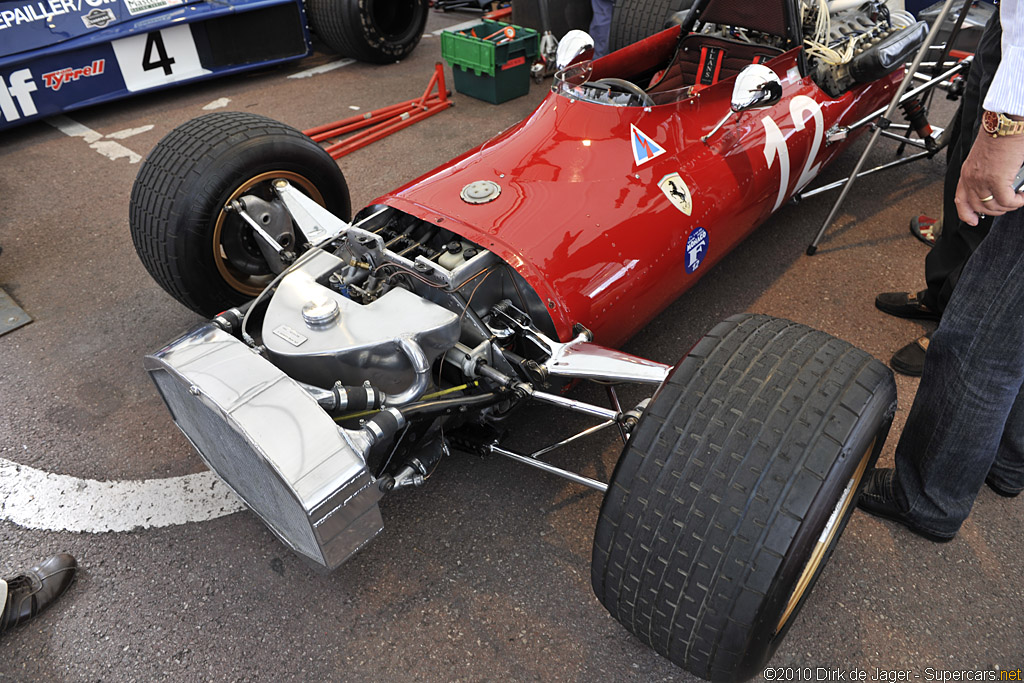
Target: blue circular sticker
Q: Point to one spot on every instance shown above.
(696, 248)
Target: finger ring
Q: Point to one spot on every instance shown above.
(987, 199)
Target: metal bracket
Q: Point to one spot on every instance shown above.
(580, 358)
(11, 315)
(836, 134)
(317, 223)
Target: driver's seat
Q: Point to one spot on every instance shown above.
(703, 60)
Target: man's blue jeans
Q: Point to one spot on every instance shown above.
(967, 421)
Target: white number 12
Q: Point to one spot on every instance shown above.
(775, 144)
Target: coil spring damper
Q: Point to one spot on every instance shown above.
(917, 116)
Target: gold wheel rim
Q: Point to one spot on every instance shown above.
(251, 285)
(827, 537)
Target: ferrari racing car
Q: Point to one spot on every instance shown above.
(344, 358)
(60, 55)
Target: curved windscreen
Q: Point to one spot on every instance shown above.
(574, 82)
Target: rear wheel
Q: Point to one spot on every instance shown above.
(377, 31)
(203, 256)
(733, 490)
(634, 20)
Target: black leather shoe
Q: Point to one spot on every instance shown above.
(30, 593)
(1004, 492)
(905, 305)
(877, 499)
(910, 359)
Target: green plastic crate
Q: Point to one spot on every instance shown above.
(486, 70)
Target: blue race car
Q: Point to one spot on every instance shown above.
(59, 55)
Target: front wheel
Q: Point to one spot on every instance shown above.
(734, 489)
(202, 255)
(376, 31)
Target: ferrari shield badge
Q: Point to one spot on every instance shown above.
(677, 192)
(644, 148)
(696, 249)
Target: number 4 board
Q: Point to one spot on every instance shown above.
(158, 58)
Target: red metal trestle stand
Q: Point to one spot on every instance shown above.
(380, 123)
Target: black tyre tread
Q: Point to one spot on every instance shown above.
(634, 20)
(343, 25)
(172, 181)
(181, 155)
(780, 387)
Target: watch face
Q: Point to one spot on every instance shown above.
(990, 122)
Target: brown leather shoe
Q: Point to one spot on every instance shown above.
(910, 359)
(30, 593)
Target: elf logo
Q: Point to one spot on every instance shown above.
(16, 92)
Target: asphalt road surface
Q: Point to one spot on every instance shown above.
(483, 574)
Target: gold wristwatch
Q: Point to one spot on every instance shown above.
(1000, 125)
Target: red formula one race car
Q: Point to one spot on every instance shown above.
(344, 359)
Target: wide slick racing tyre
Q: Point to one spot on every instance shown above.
(735, 487)
(634, 20)
(205, 257)
(376, 31)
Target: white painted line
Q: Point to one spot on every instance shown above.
(74, 129)
(36, 499)
(108, 148)
(115, 150)
(217, 104)
(323, 68)
(458, 27)
(128, 132)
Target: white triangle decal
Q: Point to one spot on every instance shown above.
(644, 148)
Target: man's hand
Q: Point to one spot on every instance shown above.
(988, 173)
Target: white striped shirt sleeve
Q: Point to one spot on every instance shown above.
(1006, 94)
